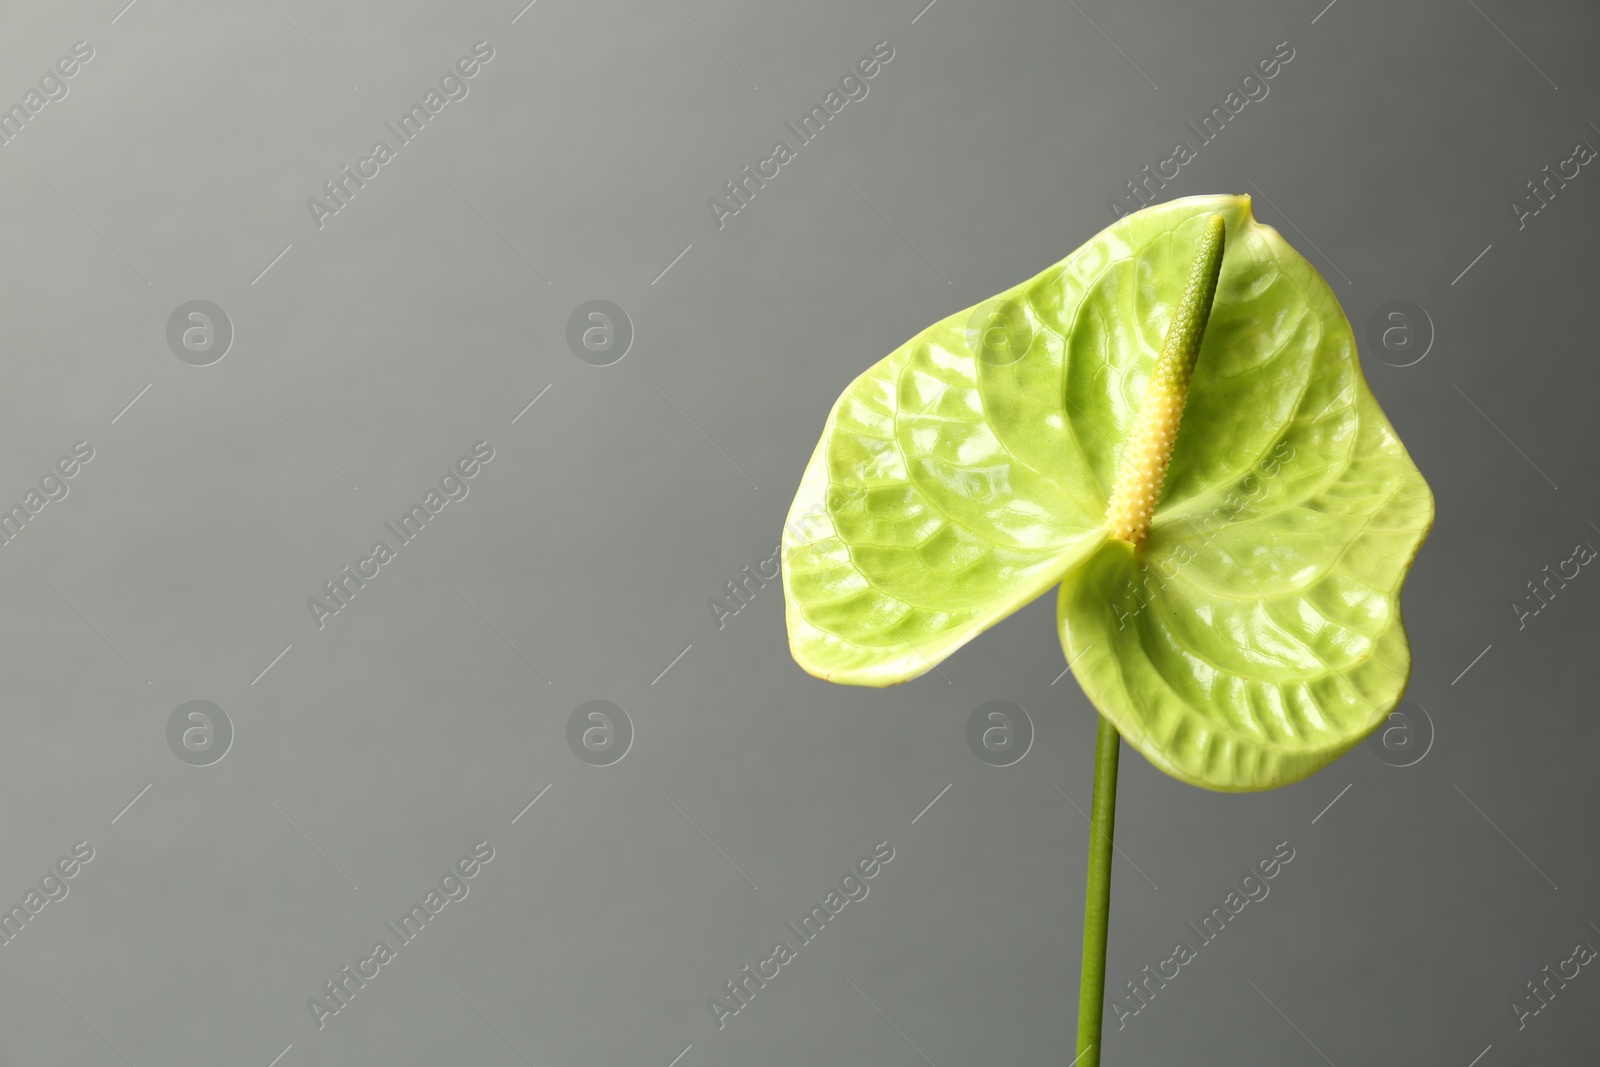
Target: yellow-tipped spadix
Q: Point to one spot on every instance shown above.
(1143, 466)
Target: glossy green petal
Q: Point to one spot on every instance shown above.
(1256, 634)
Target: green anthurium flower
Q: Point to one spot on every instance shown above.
(1230, 583)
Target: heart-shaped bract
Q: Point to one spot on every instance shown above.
(1254, 634)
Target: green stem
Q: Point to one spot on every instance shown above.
(1097, 897)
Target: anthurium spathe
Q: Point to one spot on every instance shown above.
(1248, 632)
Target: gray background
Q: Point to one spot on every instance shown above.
(427, 714)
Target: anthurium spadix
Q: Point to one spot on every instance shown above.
(1227, 511)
